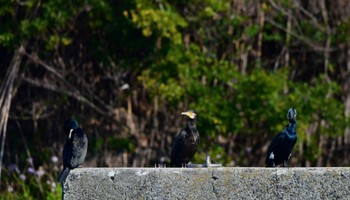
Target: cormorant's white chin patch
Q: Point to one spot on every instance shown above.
(272, 156)
(70, 133)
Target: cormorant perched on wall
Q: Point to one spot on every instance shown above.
(281, 146)
(74, 150)
(186, 142)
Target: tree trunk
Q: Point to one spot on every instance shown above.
(7, 91)
(346, 91)
(261, 19)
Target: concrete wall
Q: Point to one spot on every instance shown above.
(208, 183)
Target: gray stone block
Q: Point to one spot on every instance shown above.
(208, 183)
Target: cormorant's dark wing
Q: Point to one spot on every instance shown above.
(295, 141)
(80, 145)
(195, 150)
(67, 153)
(278, 139)
(177, 147)
(67, 158)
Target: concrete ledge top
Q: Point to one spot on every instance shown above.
(208, 183)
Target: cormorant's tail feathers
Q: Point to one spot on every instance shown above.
(63, 175)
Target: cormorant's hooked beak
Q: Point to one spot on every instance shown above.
(189, 114)
(70, 133)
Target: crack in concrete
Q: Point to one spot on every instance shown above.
(213, 184)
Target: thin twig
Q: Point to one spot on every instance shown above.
(54, 88)
(307, 41)
(34, 58)
(286, 13)
(73, 90)
(29, 155)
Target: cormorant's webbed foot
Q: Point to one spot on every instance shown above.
(271, 164)
(285, 163)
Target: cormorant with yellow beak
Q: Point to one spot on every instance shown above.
(186, 142)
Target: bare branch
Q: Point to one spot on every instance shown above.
(307, 41)
(74, 91)
(287, 13)
(328, 40)
(34, 58)
(75, 95)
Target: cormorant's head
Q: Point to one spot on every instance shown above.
(192, 114)
(292, 114)
(69, 126)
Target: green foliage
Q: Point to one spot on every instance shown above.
(342, 30)
(245, 104)
(164, 22)
(28, 182)
(120, 143)
(252, 30)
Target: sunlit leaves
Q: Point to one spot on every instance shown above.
(163, 22)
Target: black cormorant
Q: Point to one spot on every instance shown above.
(74, 150)
(186, 142)
(281, 146)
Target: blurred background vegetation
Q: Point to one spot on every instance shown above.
(127, 69)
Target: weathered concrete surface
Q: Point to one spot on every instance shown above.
(208, 183)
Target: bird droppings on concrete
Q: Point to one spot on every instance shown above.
(282, 171)
(176, 171)
(111, 173)
(142, 172)
(205, 183)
